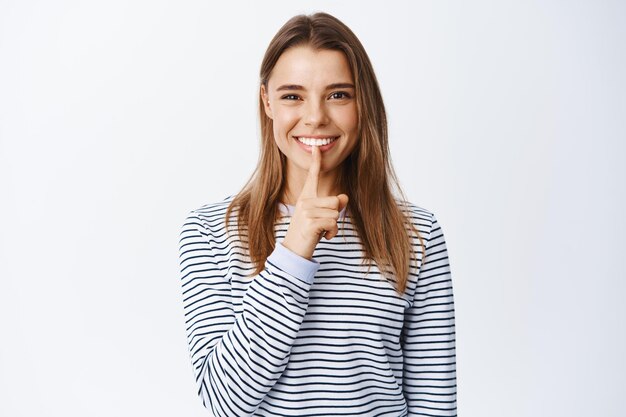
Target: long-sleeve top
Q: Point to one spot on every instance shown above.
(320, 336)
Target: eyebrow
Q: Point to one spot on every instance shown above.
(328, 87)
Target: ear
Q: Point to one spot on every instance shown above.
(266, 104)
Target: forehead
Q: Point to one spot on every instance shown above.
(312, 68)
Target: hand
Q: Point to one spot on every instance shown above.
(313, 216)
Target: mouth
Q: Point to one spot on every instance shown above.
(323, 143)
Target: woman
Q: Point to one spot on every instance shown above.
(287, 315)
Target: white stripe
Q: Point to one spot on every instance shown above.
(346, 344)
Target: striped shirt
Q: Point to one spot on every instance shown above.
(320, 337)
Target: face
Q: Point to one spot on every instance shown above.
(311, 93)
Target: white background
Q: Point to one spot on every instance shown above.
(507, 120)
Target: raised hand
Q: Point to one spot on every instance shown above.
(313, 216)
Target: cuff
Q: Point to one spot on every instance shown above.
(294, 264)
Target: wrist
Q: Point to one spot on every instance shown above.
(287, 244)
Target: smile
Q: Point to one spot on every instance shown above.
(315, 141)
(324, 144)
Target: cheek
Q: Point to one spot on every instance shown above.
(285, 118)
(347, 118)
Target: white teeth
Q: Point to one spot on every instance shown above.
(316, 142)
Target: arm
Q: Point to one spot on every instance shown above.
(238, 358)
(428, 341)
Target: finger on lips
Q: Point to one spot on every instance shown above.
(309, 190)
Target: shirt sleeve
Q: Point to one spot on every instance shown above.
(237, 358)
(428, 342)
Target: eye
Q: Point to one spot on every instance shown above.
(288, 95)
(345, 94)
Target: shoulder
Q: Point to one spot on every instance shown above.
(215, 209)
(422, 218)
(210, 216)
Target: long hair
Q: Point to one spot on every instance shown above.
(366, 174)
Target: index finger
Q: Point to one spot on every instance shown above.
(310, 185)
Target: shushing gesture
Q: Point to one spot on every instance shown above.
(314, 217)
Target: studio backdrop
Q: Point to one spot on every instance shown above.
(506, 120)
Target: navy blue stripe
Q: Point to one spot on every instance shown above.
(275, 345)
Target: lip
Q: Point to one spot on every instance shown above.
(315, 136)
(307, 148)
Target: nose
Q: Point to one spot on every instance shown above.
(315, 113)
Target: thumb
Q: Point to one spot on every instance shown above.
(343, 201)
